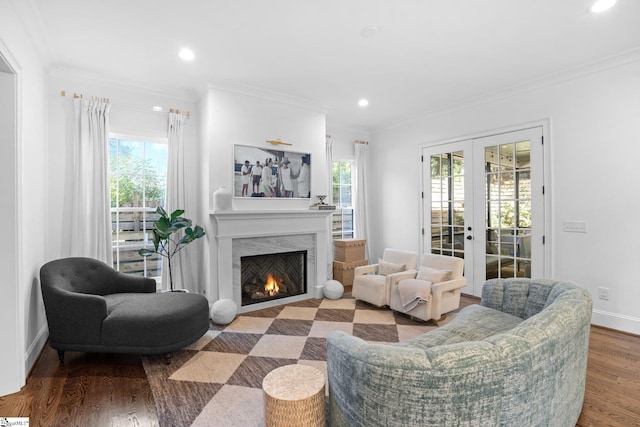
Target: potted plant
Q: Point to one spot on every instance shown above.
(166, 233)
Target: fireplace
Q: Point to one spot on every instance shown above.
(240, 234)
(272, 276)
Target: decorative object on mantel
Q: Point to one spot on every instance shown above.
(164, 228)
(222, 199)
(321, 205)
(277, 142)
(223, 311)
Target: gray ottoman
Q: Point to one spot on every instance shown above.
(154, 323)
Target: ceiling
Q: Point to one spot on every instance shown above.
(426, 55)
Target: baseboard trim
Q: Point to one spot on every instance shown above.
(35, 349)
(616, 321)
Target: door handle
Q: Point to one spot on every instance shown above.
(469, 237)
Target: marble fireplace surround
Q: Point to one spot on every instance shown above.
(245, 233)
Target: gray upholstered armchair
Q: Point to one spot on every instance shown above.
(92, 307)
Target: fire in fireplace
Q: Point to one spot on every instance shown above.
(273, 276)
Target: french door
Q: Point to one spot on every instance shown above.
(483, 201)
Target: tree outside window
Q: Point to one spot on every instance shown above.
(343, 226)
(138, 176)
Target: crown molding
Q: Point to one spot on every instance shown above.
(339, 126)
(554, 79)
(183, 96)
(269, 95)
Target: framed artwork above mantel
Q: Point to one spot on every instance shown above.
(271, 173)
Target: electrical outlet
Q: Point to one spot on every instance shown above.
(603, 293)
(574, 226)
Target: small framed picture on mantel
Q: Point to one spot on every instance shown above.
(321, 205)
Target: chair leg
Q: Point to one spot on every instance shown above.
(167, 358)
(437, 322)
(61, 355)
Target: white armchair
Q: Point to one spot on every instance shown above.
(431, 292)
(372, 283)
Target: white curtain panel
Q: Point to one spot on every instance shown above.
(361, 200)
(329, 149)
(90, 214)
(177, 199)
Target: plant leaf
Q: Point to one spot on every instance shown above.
(181, 223)
(162, 212)
(186, 239)
(199, 232)
(175, 214)
(156, 239)
(162, 224)
(146, 252)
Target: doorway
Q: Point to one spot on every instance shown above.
(483, 200)
(12, 364)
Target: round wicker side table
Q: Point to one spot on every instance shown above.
(294, 396)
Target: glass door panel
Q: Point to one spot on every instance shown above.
(445, 204)
(509, 204)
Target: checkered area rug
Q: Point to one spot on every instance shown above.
(217, 381)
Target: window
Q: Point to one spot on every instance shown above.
(138, 173)
(343, 200)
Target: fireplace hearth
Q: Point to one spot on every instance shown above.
(269, 277)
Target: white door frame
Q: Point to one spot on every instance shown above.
(12, 333)
(545, 124)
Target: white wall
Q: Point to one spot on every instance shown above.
(251, 120)
(246, 119)
(344, 138)
(594, 146)
(31, 204)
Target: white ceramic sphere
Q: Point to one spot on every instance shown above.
(223, 311)
(333, 289)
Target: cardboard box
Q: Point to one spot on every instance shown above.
(348, 250)
(343, 271)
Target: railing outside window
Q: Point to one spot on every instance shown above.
(343, 224)
(138, 172)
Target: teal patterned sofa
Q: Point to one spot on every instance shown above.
(517, 359)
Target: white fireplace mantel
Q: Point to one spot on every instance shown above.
(257, 223)
(230, 225)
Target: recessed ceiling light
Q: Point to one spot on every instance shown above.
(157, 108)
(601, 6)
(186, 54)
(363, 102)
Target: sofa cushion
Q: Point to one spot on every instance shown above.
(385, 267)
(522, 297)
(539, 291)
(153, 320)
(432, 275)
(473, 323)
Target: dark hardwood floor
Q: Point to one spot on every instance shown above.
(111, 389)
